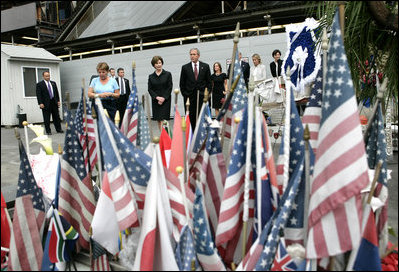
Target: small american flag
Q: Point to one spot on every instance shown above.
(204, 245)
(130, 118)
(114, 145)
(76, 198)
(376, 152)
(88, 146)
(26, 250)
(185, 250)
(99, 261)
(341, 170)
(312, 113)
(282, 260)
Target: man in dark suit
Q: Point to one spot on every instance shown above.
(125, 92)
(245, 69)
(195, 76)
(49, 101)
(275, 66)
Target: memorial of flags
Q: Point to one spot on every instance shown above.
(215, 198)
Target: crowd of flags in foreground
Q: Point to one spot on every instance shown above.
(229, 213)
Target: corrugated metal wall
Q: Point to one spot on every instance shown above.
(174, 57)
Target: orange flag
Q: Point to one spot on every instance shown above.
(176, 156)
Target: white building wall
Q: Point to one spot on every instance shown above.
(174, 57)
(12, 92)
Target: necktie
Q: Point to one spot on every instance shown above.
(49, 90)
(195, 71)
(122, 86)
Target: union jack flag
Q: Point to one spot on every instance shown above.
(282, 260)
(89, 146)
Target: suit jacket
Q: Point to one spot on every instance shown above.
(127, 86)
(43, 97)
(188, 84)
(273, 68)
(245, 71)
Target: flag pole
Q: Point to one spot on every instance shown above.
(117, 118)
(233, 57)
(306, 137)
(86, 135)
(376, 176)
(99, 164)
(179, 170)
(25, 124)
(248, 166)
(287, 124)
(147, 109)
(176, 91)
(183, 128)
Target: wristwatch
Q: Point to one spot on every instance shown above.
(96, 95)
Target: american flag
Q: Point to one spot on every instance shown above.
(185, 250)
(26, 250)
(130, 120)
(312, 113)
(143, 130)
(231, 209)
(198, 141)
(99, 261)
(266, 193)
(117, 151)
(340, 170)
(238, 100)
(376, 152)
(80, 123)
(282, 260)
(212, 175)
(204, 245)
(76, 199)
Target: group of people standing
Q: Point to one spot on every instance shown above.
(195, 76)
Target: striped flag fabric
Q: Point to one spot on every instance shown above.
(312, 113)
(376, 152)
(26, 250)
(340, 170)
(76, 199)
(204, 245)
(99, 261)
(113, 143)
(165, 143)
(185, 250)
(231, 210)
(129, 126)
(143, 139)
(282, 260)
(88, 147)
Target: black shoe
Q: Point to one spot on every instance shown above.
(48, 133)
(60, 131)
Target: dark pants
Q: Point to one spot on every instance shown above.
(51, 110)
(110, 105)
(122, 103)
(193, 108)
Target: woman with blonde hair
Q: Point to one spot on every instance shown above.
(106, 88)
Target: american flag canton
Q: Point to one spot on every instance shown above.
(185, 250)
(73, 152)
(376, 146)
(27, 183)
(143, 129)
(130, 118)
(339, 85)
(278, 221)
(312, 113)
(297, 154)
(240, 97)
(213, 146)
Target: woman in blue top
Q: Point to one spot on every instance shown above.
(106, 88)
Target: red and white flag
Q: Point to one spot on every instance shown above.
(165, 144)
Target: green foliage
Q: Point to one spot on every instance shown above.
(364, 40)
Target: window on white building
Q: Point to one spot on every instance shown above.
(31, 76)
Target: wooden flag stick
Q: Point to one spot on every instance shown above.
(306, 137)
(376, 176)
(25, 124)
